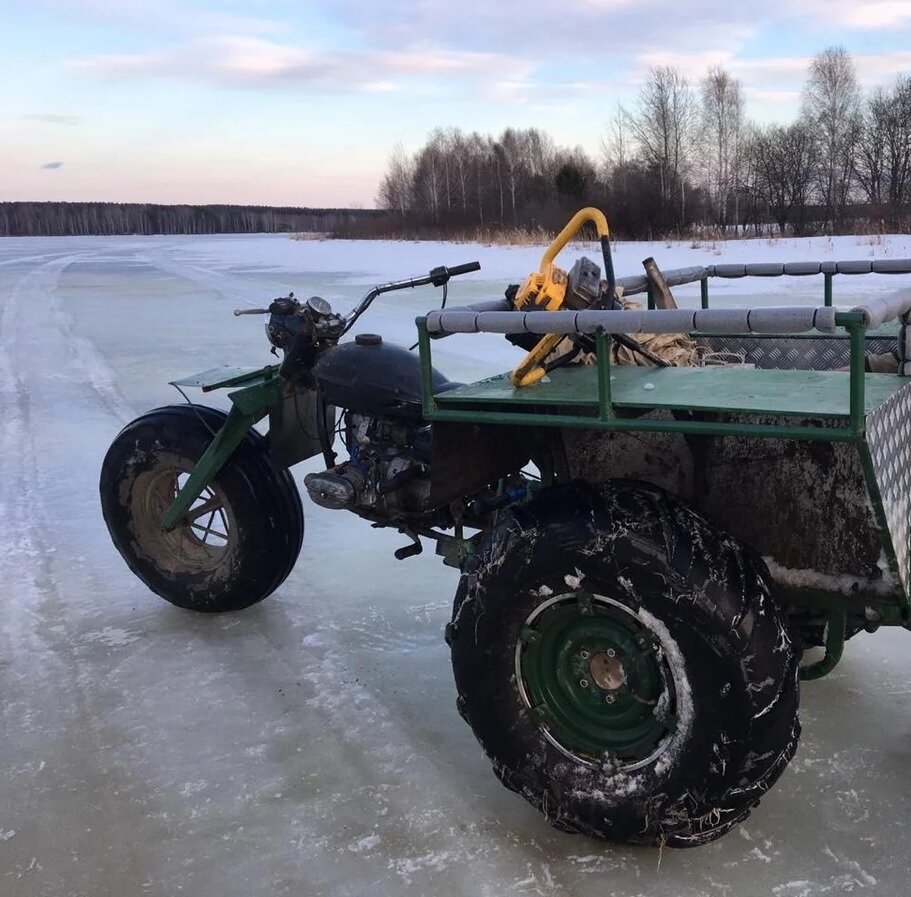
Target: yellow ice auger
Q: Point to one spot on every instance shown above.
(546, 290)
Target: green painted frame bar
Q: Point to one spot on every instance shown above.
(602, 353)
(704, 291)
(428, 405)
(248, 406)
(607, 417)
(835, 645)
(853, 322)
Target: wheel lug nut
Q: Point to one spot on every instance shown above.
(583, 683)
(584, 655)
(611, 652)
(610, 699)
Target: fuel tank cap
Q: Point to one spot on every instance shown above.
(368, 339)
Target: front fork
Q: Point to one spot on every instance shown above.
(248, 405)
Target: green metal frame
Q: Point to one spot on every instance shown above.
(248, 405)
(611, 418)
(836, 627)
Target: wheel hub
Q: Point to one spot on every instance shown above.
(595, 679)
(204, 537)
(607, 671)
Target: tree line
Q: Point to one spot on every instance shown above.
(682, 158)
(58, 219)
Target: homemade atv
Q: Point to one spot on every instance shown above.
(645, 547)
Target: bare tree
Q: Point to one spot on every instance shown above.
(616, 152)
(663, 129)
(871, 151)
(784, 161)
(722, 130)
(831, 104)
(882, 162)
(395, 188)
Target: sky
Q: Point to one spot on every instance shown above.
(301, 103)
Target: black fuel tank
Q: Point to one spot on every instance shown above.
(369, 376)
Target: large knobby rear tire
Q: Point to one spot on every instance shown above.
(625, 667)
(241, 537)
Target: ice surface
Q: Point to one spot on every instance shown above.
(310, 745)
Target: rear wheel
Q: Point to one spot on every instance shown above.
(625, 667)
(239, 540)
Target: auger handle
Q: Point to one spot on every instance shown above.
(596, 216)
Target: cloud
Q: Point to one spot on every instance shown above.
(513, 52)
(237, 61)
(869, 15)
(50, 118)
(52, 166)
(166, 16)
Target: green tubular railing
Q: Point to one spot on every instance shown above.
(607, 416)
(828, 281)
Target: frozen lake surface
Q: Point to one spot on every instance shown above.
(310, 745)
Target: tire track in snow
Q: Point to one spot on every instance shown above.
(50, 696)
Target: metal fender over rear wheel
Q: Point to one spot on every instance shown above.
(238, 542)
(625, 666)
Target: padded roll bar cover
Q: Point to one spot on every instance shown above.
(550, 322)
(789, 319)
(636, 283)
(613, 321)
(487, 305)
(722, 320)
(501, 321)
(857, 267)
(824, 319)
(765, 269)
(802, 269)
(669, 320)
(781, 320)
(684, 275)
(829, 267)
(892, 266)
(886, 308)
(730, 271)
(452, 321)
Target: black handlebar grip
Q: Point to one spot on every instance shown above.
(464, 269)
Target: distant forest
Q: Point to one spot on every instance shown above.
(79, 219)
(682, 159)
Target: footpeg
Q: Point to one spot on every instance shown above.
(409, 551)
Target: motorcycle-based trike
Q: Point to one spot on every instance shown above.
(654, 514)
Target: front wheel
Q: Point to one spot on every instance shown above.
(239, 540)
(625, 667)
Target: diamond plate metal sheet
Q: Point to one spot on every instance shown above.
(816, 354)
(889, 440)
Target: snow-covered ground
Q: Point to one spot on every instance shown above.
(310, 745)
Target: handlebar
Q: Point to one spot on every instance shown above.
(467, 268)
(438, 277)
(441, 275)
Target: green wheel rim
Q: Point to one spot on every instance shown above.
(595, 679)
